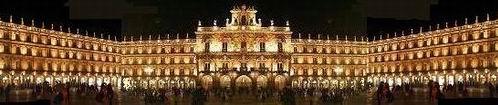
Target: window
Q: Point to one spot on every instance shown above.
(280, 66)
(206, 47)
(261, 65)
(280, 47)
(225, 66)
(224, 47)
(243, 45)
(262, 47)
(206, 66)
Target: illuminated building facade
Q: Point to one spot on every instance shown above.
(245, 53)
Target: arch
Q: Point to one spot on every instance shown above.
(243, 81)
(262, 81)
(225, 81)
(206, 81)
(280, 82)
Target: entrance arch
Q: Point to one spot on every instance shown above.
(243, 81)
(262, 81)
(279, 82)
(206, 81)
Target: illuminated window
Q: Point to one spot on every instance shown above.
(262, 47)
(224, 47)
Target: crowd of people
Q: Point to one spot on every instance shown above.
(60, 93)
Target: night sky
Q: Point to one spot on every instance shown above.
(335, 17)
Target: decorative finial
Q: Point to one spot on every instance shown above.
(32, 23)
(466, 21)
(115, 38)
(124, 38)
(22, 21)
(60, 28)
(101, 36)
(309, 36)
(355, 38)
(374, 38)
(388, 35)
(140, 37)
(477, 19)
(167, 37)
(403, 32)
(380, 37)
(187, 36)
(159, 37)
(77, 31)
(421, 29)
(430, 28)
(446, 24)
(299, 35)
(272, 23)
(318, 36)
(131, 38)
(487, 17)
(411, 31)
(86, 32)
(259, 20)
(328, 37)
(150, 37)
(456, 23)
(10, 19)
(43, 24)
(94, 34)
(177, 36)
(108, 37)
(226, 22)
(287, 23)
(395, 34)
(437, 26)
(199, 23)
(337, 37)
(215, 23)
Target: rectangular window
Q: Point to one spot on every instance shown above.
(206, 47)
(280, 47)
(280, 67)
(262, 47)
(224, 47)
(206, 66)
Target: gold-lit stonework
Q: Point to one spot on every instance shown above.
(244, 53)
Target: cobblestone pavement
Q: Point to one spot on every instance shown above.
(420, 98)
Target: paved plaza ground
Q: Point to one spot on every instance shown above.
(420, 98)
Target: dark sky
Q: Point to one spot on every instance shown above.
(143, 17)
